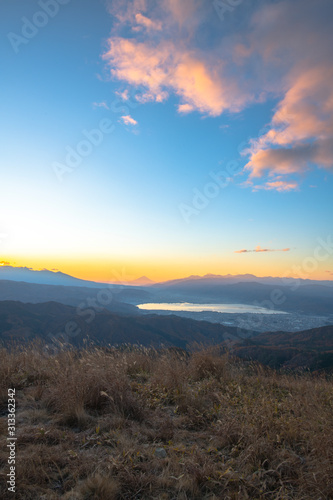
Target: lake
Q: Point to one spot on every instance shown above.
(221, 308)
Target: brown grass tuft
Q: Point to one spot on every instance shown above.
(89, 424)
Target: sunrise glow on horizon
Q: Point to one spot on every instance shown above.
(123, 272)
(167, 139)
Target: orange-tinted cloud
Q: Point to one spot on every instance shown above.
(258, 249)
(277, 186)
(166, 68)
(125, 12)
(301, 130)
(128, 120)
(4, 263)
(147, 23)
(181, 10)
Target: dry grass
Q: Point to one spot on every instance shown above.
(89, 424)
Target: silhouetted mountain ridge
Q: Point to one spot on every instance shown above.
(207, 279)
(121, 300)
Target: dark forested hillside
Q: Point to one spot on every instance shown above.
(24, 322)
(310, 349)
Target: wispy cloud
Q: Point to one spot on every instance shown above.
(123, 95)
(276, 185)
(147, 23)
(100, 105)
(258, 249)
(128, 120)
(4, 263)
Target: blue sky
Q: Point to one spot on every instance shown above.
(184, 92)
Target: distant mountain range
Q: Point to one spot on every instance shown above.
(118, 299)
(44, 277)
(300, 296)
(240, 278)
(47, 277)
(143, 281)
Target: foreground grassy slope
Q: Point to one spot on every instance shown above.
(146, 424)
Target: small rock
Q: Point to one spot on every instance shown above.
(160, 453)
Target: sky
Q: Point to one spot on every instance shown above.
(167, 138)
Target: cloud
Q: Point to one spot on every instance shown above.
(128, 120)
(100, 105)
(185, 108)
(295, 38)
(275, 51)
(330, 272)
(305, 135)
(123, 95)
(258, 249)
(165, 59)
(147, 23)
(166, 67)
(277, 186)
(125, 12)
(4, 263)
